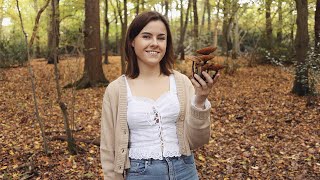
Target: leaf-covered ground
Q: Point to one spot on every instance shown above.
(259, 129)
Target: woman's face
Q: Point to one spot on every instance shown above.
(150, 44)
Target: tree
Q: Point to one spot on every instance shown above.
(317, 29)
(268, 25)
(31, 73)
(215, 39)
(124, 21)
(183, 28)
(53, 34)
(280, 22)
(301, 85)
(93, 72)
(1, 16)
(106, 40)
(225, 27)
(235, 30)
(195, 24)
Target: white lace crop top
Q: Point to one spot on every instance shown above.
(152, 125)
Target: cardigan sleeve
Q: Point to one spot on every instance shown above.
(197, 120)
(107, 149)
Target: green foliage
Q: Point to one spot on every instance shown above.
(13, 51)
(278, 55)
(313, 65)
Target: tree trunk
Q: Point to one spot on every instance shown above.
(183, 29)
(123, 20)
(1, 16)
(225, 27)
(117, 48)
(209, 16)
(35, 34)
(53, 34)
(142, 5)
(196, 24)
(215, 39)
(268, 25)
(280, 22)
(37, 37)
(32, 78)
(203, 15)
(236, 41)
(137, 7)
(292, 27)
(317, 29)
(166, 9)
(301, 85)
(106, 41)
(93, 72)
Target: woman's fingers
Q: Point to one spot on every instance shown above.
(206, 83)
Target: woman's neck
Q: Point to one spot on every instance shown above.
(149, 73)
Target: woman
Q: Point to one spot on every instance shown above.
(153, 116)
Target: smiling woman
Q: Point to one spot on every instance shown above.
(153, 116)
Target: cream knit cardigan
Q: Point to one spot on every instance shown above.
(193, 125)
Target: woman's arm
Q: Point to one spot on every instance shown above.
(198, 121)
(107, 148)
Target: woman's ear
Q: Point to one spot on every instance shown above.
(132, 43)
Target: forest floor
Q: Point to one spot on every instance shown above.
(259, 129)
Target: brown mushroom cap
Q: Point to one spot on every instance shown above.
(212, 67)
(206, 57)
(206, 50)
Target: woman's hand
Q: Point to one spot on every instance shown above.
(203, 88)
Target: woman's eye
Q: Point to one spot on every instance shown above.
(162, 38)
(146, 37)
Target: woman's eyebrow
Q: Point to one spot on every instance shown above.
(147, 33)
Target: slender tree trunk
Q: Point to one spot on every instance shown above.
(292, 27)
(209, 15)
(301, 85)
(106, 41)
(142, 5)
(137, 6)
(72, 147)
(203, 15)
(166, 9)
(183, 30)
(225, 27)
(196, 24)
(37, 38)
(280, 22)
(317, 29)
(123, 19)
(1, 16)
(215, 39)
(117, 28)
(35, 34)
(39, 119)
(53, 39)
(269, 40)
(236, 41)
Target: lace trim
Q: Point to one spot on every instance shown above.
(142, 153)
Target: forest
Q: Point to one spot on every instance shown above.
(58, 56)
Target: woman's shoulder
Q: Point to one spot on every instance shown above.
(115, 85)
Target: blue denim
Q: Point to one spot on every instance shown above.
(171, 168)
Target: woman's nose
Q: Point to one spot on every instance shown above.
(154, 42)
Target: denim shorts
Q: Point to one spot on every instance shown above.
(170, 168)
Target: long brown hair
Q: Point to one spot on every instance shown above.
(138, 23)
